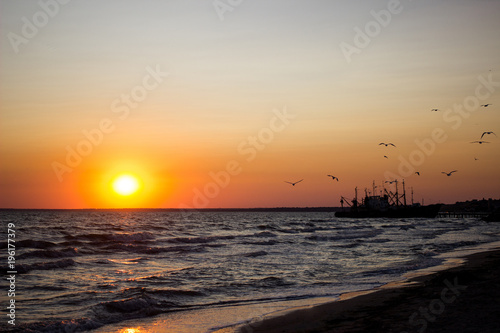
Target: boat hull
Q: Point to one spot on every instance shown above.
(429, 211)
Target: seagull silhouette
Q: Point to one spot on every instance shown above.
(434, 110)
(489, 132)
(480, 142)
(485, 105)
(449, 173)
(386, 144)
(333, 177)
(293, 184)
(417, 173)
(386, 156)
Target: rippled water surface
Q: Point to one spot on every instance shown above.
(86, 269)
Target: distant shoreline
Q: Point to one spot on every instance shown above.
(262, 209)
(474, 205)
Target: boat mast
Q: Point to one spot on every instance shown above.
(404, 193)
(355, 197)
(397, 194)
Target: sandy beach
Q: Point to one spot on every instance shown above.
(465, 298)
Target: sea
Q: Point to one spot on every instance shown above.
(85, 270)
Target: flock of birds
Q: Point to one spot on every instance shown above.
(484, 133)
(417, 172)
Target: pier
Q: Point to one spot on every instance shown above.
(463, 214)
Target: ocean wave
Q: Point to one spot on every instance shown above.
(200, 240)
(134, 304)
(360, 234)
(259, 283)
(401, 268)
(135, 237)
(321, 220)
(144, 305)
(447, 247)
(24, 268)
(272, 282)
(379, 240)
(253, 254)
(34, 244)
(121, 247)
(67, 252)
(115, 237)
(364, 235)
(73, 243)
(46, 288)
(128, 261)
(349, 245)
(63, 326)
(265, 234)
(289, 231)
(385, 271)
(426, 252)
(263, 243)
(265, 227)
(323, 238)
(168, 293)
(143, 249)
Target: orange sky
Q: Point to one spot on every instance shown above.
(212, 109)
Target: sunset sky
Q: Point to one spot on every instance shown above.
(218, 103)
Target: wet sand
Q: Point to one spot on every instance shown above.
(463, 298)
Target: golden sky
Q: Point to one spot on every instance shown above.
(218, 103)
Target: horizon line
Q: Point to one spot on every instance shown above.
(183, 209)
(325, 208)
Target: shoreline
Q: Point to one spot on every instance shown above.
(460, 295)
(387, 308)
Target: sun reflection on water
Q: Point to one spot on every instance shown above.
(133, 330)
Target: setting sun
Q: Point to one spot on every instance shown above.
(126, 184)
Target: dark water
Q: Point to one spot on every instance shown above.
(80, 270)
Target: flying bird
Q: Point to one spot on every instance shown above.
(487, 133)
(485, 105)
(449, 173)
(433, 110)
(386, 156)
(293, 184)
(480, 142)
(333, 177)
(387, 144)
(417, 173)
